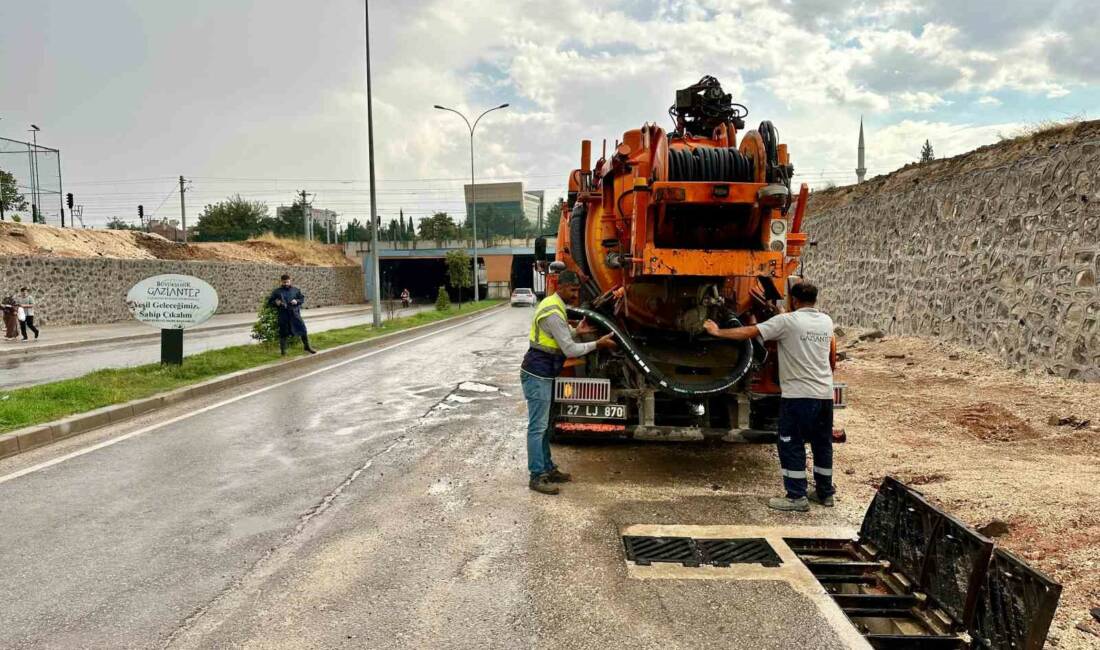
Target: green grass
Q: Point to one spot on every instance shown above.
(46, 402)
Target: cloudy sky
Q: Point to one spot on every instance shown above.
(266, 97)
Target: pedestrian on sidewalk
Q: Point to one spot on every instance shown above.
(26, 302)
(288, 300)
(551, 342)
(11, 318)
(807, 358)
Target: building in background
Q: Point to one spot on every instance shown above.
(324, 226)
(503, 209)
(169, 229)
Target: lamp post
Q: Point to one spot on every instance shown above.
(473, 199)
(376, 288)
(36, 202)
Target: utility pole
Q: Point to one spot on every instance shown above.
(305, 216)
(376, 285)
(183, 209)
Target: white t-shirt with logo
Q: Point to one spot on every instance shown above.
(805, 337)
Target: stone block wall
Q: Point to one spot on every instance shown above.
(1004, 258)
(84, 291)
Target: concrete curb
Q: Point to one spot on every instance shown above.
(39, 435)
(47, 348)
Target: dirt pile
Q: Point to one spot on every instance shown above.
(37, 240)
(987, 157)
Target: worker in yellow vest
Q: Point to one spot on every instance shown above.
(551, 342)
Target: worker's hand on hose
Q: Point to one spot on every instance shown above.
(606, 342)
(584, 327)
(711, 327)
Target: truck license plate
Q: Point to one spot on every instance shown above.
(594, 411)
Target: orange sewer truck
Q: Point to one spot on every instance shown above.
(670, 229)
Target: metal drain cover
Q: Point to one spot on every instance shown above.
(691, 552)
(724, 552)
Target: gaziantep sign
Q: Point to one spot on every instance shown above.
(172, 301)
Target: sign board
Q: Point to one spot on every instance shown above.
(172, 301)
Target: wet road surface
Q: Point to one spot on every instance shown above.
(380, 503)
(53, 365)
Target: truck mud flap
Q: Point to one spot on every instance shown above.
(917, 577)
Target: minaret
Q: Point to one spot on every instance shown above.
(861, 171)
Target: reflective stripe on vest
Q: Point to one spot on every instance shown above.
(539, 338)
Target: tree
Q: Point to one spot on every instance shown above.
(459, 271)
(10, 198)
(439, 228)
(553, 218)
(356, 231)
(115, 223)
(442, 300)
(288, 221)
(233, 219)
(926, 153)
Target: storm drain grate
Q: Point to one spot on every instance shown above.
(724, 552)
(690, 552)
(646, 550)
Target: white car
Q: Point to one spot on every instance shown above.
(523, 298)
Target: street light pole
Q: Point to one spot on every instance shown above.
(473, 184)
(36, 192)
(376, 285)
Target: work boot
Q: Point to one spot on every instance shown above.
(542, 484)
(814, 497)
(557, 476)
(786, 504)
(306, 346)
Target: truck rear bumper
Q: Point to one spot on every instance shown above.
(662, 433)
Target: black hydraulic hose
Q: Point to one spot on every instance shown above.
(577, 220)
(657, 378)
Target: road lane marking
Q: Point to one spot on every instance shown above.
(205, 409)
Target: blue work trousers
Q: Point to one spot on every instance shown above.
(804, 420)
(539, 392)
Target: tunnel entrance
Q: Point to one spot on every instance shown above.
(421, 276)
(523, 272)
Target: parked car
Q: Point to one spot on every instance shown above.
(523, 298)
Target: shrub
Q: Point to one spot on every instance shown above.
(266, 327)
(442, 300)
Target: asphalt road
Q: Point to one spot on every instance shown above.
(52, 365)
(379, 503)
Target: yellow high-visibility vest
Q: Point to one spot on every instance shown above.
(540, 339)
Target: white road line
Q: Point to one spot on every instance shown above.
(180, 418)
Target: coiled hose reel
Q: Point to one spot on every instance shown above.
(657, 378)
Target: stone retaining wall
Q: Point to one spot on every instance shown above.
(1004, 259)
(83, 291)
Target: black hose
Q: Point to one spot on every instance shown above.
(657, 378)
(576, 236)
(709, 164)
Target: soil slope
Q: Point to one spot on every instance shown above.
(35, 240)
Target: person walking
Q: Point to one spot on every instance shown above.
(26, 301)
(807, 358)
(287, 299)
(550, 343)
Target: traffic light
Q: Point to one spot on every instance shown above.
(69, 200)
(141, 212)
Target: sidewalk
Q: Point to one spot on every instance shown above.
(60, 338)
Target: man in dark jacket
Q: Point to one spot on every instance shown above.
(287, 300)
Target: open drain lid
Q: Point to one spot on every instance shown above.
(934, 550)
(693, 552)
(1015, 606)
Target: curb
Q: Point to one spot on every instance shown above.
(47, 348)
(35, 436)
